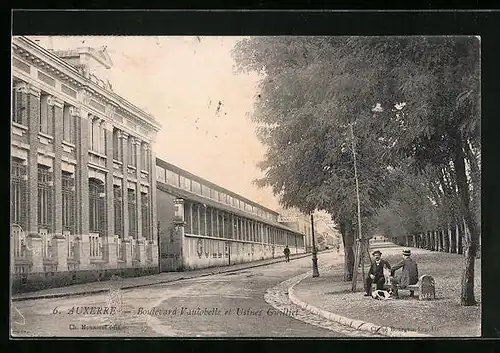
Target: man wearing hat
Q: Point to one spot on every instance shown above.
(376, 273)
(409, 274)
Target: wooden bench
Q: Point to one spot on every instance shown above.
(425, 287)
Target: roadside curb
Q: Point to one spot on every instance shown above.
(125, 287)
(355, 324)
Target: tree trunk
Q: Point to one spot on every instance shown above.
(460, 235)
(470, 231)
(441, 240)
(348, 240)
(467, 298)
(475, 176)
(446, 238)
(478, 253)
(453, 239)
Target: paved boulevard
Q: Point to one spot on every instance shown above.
(223, 305)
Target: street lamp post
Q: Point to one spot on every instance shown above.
(314, 254)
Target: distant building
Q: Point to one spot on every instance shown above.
(201, 224)
(298, 222)
(83, 188)
(330, 239)
(85, 202)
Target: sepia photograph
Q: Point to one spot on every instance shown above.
(245, 186)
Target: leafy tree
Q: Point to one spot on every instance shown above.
(438, 79)
(309, 95)
(408, 99)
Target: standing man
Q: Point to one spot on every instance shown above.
(409, 274)
(287, 254)
(376, 273)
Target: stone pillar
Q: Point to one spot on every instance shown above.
(127, 251)
(124, 139)
(141, 243)
(108, 241)
(33, 108)
(58, 151)
(152, 198)
(138, 186)
(59, 253)
(84, 251)
(82, 183)
(34, 244)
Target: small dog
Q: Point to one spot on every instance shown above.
(381, 295)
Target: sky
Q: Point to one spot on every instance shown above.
(180, 81)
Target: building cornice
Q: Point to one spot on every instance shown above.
(60, 69)
(182, 172)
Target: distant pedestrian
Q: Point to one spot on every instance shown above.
(287, 254)
(338, 247)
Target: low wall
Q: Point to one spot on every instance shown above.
(74, 261)
(37, 281)
(202, 252)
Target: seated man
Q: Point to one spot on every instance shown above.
(376, 273)
(409, 275)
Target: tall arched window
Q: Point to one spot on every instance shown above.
(145, 215)
(130, 150)
(46, 120)
(143, 156)
(118, 210)
(68, 123)
(91, 132)
(68, 201)
(102, 137)
(45, 197)
(96, 135)
(97, 211)
(132, 213)
(117, 150)
(19, 104)
(18, 192)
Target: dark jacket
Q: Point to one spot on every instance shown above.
(378, 270)
(286, 251)
(409, 274)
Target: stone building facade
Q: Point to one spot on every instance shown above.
(202, 224)
(300, 223)
(83, 184)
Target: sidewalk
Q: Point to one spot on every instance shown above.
(331, 297)
(134, 282)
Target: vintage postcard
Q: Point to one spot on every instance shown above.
(260, 186)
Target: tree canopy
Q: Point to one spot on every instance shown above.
(413, 104)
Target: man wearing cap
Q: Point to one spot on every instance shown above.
(376, 273)
(409, 274)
